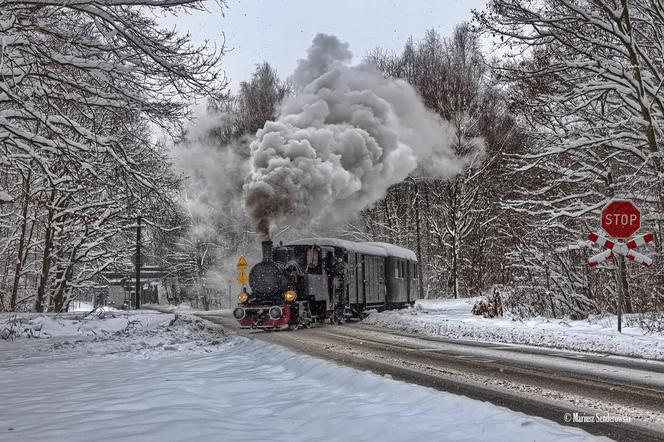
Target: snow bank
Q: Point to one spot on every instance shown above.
(184, 308)
(101, 322)
(452, 318)
(82, 306)
(187, 381)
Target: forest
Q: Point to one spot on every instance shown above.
(555, 106)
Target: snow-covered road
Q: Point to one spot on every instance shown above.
(189, 381)
(538, 381)
(452, 318)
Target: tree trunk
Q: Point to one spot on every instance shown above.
(419, 240)
(46, 260)
(21, 242)
(64, 276)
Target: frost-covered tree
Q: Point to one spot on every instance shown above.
(586, 77)
(81, 83)
(453, 224)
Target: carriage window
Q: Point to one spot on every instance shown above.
(312, 261)
(400, 269)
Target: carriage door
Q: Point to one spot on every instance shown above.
(381, 280)
(361, 280)
(351, 278)
(370, 278)
(409, 272)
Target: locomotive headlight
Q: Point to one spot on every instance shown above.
(290, 296)
(243, 297)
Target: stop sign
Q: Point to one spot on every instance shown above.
(621, 219)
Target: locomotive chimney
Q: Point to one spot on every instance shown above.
(267, 250)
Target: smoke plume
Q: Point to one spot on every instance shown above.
(341, 141)
(215, 172)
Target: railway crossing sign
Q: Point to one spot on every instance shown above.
(623, 249)
(241, 266)
(620, 219)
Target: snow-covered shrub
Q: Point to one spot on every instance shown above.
(490, 307)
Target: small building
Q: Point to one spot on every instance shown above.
(122, 287)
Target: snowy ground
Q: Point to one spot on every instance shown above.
(150, 379)
(453, 318)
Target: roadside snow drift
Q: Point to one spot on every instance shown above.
(452, 318)
(188, 381)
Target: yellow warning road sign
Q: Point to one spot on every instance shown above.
(242, 277)
(242, 263)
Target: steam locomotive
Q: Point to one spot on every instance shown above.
(314, 280)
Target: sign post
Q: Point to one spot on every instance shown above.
(619, 288)
(230, 296)
(620, 219)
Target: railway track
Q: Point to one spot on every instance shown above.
(553, 384)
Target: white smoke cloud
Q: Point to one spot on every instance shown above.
(341, 141)
(215, 174)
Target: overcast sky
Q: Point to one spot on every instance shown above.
(280, 31)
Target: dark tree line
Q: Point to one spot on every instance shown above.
(570, 117)
(584, 80)
(457, 225)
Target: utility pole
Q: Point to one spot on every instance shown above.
(137, 301)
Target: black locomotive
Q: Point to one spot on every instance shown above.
(313, 280)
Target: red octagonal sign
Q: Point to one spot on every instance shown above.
(621, 219)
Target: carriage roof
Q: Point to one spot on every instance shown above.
(366, 248)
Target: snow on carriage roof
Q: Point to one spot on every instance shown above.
(392, 250)
(349, 245)
(368, 248)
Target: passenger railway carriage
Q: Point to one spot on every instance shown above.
(311, 280)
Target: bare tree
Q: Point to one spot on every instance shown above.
(80, 83)
(456, 219)
(586, 77)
